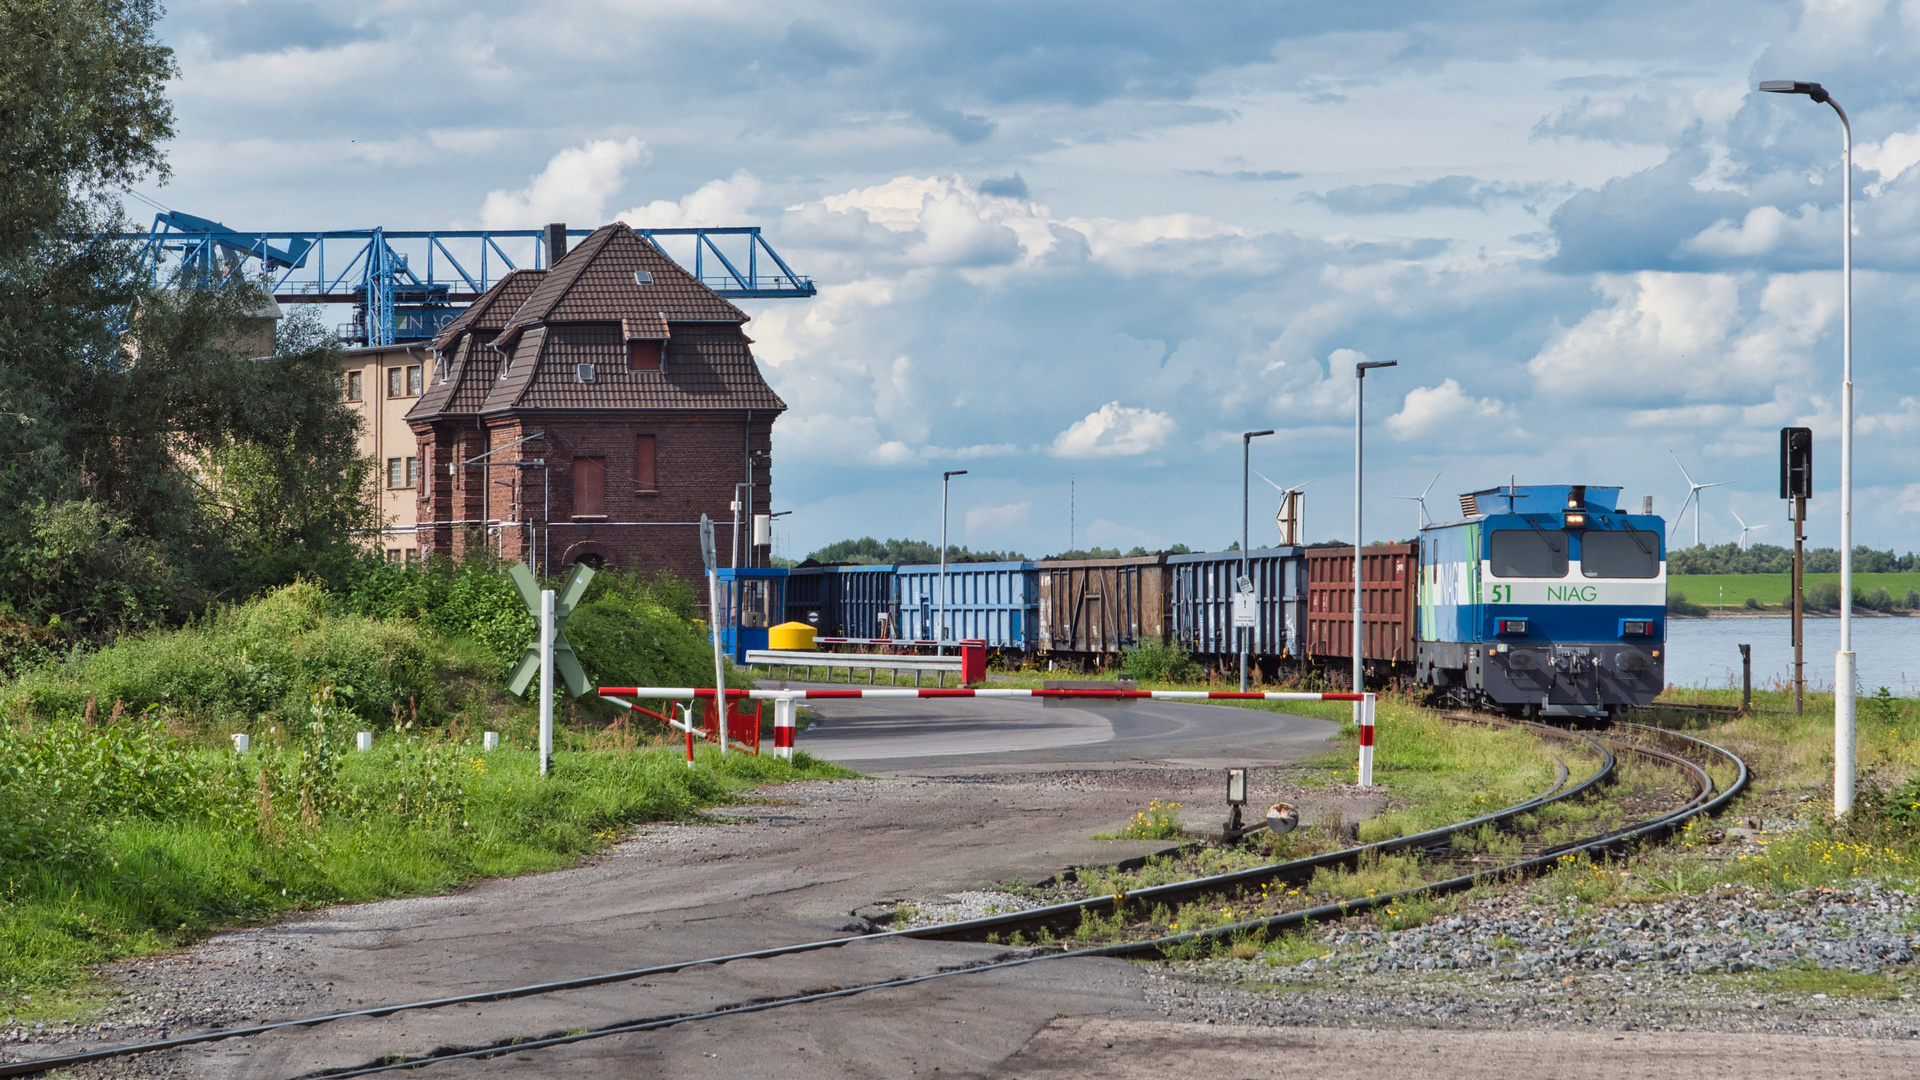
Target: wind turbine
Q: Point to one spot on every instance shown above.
(1744, 529)
(1292, 505)
(1693, 497)
(1425, 518)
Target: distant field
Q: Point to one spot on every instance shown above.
(1732, 590)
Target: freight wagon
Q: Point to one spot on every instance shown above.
(1582, 633)
(1093, 609)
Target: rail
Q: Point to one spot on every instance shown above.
(1705, 801)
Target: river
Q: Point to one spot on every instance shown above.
(1705, 652)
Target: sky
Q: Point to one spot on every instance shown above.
(1077, 249)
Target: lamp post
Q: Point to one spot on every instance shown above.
(1245, 633)
(1843, 700)
(940, 631)
(1359, 413)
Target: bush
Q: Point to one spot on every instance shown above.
(1913, 599)
(627, 640)
(1824, 596)
(1754, 605)
(1878, 600)
(1158, 662)
(1678, 604)
(249, 665)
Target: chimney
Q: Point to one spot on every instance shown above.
(556, 243)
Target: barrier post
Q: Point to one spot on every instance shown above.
(546, 680)
(784, 711)
(1366, 739)
(973, 661)
(687, 719)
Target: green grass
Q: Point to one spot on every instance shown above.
(1773, 590)
(1829, 981)
(147, 881)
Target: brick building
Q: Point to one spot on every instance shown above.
(592, 412)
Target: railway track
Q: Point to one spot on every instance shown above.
(1690, 757)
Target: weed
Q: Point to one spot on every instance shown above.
(1159, 821)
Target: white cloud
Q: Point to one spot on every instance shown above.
(716, 202)
(574, 187)
(1761, 231)
(1447, 412)
(1114, 430)
(987, 521)
(1690, 337)
(1889, 157)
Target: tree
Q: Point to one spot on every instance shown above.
(148, 462)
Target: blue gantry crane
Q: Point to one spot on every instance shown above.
(406, 285)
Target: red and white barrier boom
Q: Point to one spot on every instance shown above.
(785, 703)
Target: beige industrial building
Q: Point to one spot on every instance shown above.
(380, 384)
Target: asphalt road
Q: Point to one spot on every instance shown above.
(894, 735)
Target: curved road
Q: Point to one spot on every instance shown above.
(885, 736)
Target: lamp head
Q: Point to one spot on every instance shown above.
(1788, 86)
(1249, 436)
(1360, 370)
(955, 472)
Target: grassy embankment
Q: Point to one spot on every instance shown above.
(1773, 591)
(128, 824)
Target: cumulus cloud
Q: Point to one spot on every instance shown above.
(716, 202)
(1114, 430)
(1889, 157)
(574, 187)
(1448, 412)
(988, 521)
(1685, 337)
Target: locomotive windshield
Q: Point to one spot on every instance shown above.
(1528, 553)
(1634, 553)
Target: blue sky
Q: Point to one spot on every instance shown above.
(1094, 242)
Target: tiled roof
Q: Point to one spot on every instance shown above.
(466, 368)
(595, 282)
(707, 366)
(494, 308)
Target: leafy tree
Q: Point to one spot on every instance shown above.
(867, 551)
(148, 463)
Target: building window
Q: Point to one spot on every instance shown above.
(403, 381)
(644, 476)
(412, 556)
(643, 356)
(351, 388)
(589, 487)
(393, 555)
(403, 472)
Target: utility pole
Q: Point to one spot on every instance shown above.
(940, 632)
(1243, 623)
(1359, 542)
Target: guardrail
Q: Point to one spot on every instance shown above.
(786, 703)
(872, 662)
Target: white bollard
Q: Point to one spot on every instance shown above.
(490, 741)
(785, 710)
(241, 742)
(1366, 741)
(363, 741)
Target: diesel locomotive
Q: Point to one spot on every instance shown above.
(1543, 600)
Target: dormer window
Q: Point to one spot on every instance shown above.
(643, 355)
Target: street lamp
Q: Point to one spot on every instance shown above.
(1245, 633)
(1843, 702)
(1359, 411)
(940, 632)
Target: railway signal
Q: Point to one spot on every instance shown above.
(1796, 486)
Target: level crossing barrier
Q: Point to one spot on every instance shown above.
(938, 666)
(786, 702)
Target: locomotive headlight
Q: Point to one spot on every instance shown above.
(1576, 521)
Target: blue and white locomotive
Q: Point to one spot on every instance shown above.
(1545, 601)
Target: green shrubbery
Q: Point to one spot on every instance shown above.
(1158, 662)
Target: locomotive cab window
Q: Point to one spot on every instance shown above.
(1528, 553)
(1633, 553)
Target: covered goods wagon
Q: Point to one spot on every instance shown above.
(1101, 607)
